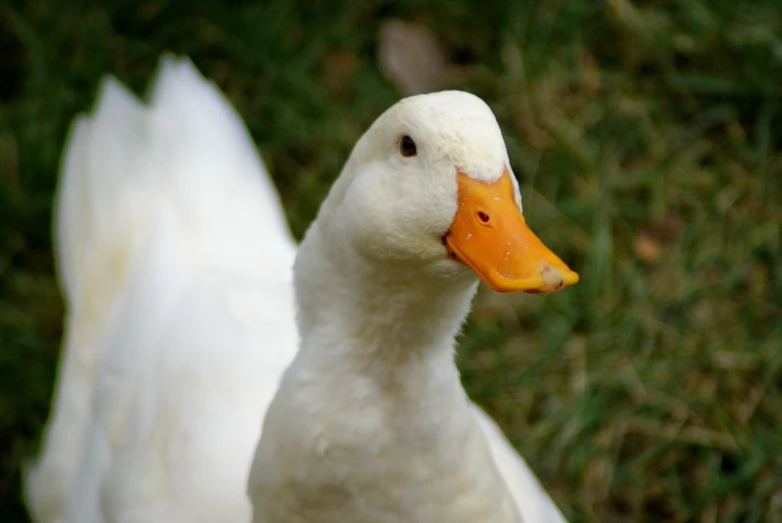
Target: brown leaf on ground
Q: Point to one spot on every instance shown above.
(411, 58)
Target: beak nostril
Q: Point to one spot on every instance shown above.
(482, 216)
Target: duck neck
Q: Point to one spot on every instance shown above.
(385, 322)
(381, 399)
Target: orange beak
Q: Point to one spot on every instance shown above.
(490, 236)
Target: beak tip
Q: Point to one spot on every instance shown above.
(555, 278)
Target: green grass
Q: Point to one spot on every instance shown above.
(647, 139)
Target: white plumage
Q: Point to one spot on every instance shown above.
(176, 263)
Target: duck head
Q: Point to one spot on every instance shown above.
(429, 186)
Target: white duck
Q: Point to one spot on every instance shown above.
(176, 264)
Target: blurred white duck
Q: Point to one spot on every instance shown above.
(176, 263)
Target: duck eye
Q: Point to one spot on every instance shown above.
(407, 146)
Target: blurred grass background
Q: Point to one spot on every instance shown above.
(647, 138)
